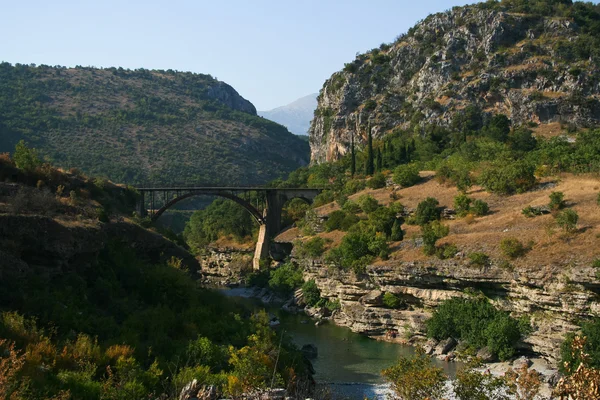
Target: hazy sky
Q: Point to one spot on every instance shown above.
(272, 52)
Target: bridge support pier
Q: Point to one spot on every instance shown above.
(140, 208)
(270, 227)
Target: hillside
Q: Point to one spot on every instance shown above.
(142, 126)
(534, 61)
(296, 116)
(553, 281)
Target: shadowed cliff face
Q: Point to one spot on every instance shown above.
(523, 66)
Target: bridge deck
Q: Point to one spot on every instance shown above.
(216, 188)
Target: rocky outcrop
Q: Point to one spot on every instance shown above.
(552, 304)
(500, 62)
(225, 266)
(228, 96)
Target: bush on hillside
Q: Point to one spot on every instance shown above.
(340, 220)
(407, 175)
(462, 205)
(508, 178)
(377, 181)
(512, 247)
(312, 248)
(479, 259)
(480, 208)
(359, 247)
(557, 201)
(427, 211)
(431, 233)
(567, 220)
(390, 300)
(368, 203)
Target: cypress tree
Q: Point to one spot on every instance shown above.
(353, 158)
(370, 165)
(397, 234)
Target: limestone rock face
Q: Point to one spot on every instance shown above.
(498, 61)
(552, 307)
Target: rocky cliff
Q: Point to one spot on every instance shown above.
(478, 60)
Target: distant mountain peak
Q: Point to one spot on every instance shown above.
(296, 116)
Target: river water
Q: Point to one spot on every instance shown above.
(349, 363)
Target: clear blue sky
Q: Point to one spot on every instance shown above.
(272, 52)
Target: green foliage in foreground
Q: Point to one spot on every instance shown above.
(407, 175)
(416, 378)
(128, 330)
(591, 331)
(567, 220)
(476, 322)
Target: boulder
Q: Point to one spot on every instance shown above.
(373, 298)
(445, 346)
(522, 362)
(485, 355)
(429, 346)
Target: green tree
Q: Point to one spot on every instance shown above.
(370, 162)
(498, 128)
(312, 294)
(427, 211)
(353, 158)
(567, 220)
(407, 175)
(416, 378)
(397, 233)
(26, 158)
(431, 232)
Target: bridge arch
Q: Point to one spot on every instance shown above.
(269, 220)
(249, 207)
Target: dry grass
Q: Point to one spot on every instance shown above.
(548, 130)
(552, 251)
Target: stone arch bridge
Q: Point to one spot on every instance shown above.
(266, 210)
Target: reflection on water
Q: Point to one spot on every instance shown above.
(344, 356)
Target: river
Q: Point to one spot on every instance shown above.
(349, 363)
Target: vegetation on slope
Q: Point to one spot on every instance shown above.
(109, 325)
(161, 127)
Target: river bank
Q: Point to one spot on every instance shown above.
(349, 364)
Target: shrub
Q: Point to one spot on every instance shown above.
(325, 197)
(286, 278)
(312, 248)
(427, 211)
(462, 205)
(567, 220)
(512, 247)
(351, 207)
(340, 220)
(397, 233)
(368, 203)
(446, 251)
(480, 208)
(377, 181)
(25, 157)
(508, 178)
(311, 292)
(416, 378)
(431, 233)
(358, 248)
(479, 259)
(476, 322)
(591, 331)
(557, 201)
(531, 212)
(390, 300)
(34, 201)
(406, 175)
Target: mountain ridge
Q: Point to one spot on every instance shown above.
(296, 116)
(142, 126)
